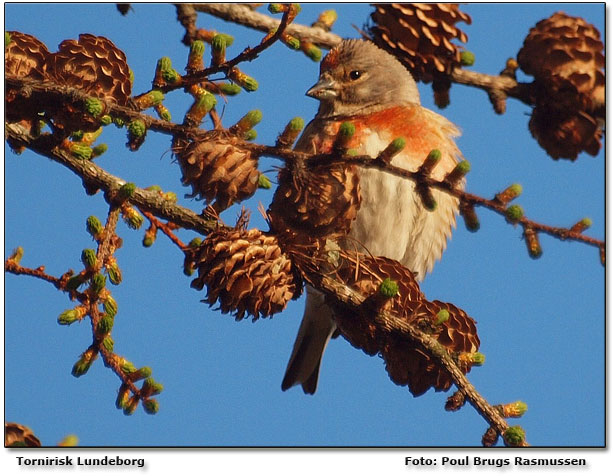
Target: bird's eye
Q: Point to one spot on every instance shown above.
(355, 74)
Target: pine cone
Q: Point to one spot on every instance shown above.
(24, 57)
(314, 203)
(218, 170)
(408, 365)
(560, 123)
(569, 48)
(16, 434)
(364, 274)
(247, 272)
(420, 35)
(565, 56)
(94, 65)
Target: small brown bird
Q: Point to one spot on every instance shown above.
(365, 85)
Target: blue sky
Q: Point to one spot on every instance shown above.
(541, 322)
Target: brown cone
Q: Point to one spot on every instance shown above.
(314, 203)
(569, 48)
(420, 35)
(16, 434)
(246, 271)
(94, 65)
(218, 170)
(24, 57)
(409, 365)
(565, 56)
(364, 274)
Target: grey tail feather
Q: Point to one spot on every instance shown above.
(291, 374)
(315, 331)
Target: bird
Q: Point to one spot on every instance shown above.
(362, 83)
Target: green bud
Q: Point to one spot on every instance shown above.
(77, 135)
(441, 316)
(314, 53)
(250, 135)
(347, 129)
(127, 366)
(586, 222)
(219, 42)
(434, 155)
(126, 191)
(7, 39)
(122, 397)
(143, 372)
(151, 387)
(105, 325)
(392, 149)
(171, 76)
(93, 226)
(467, 58)
(74, 282)
(264, 182)
(119, 122)
(69, 441)
(514, 213)
(110, 306)
(71, 315)
(514, 410)
(98, 283)
(228, 39)
(79, 151)
(195, 242)
(229, 89)
(510, 193)
(114, 273)
(94, 106)
(196, 48)
(163, 112)
(514, 435)
(249, 84)
(388, 288)
(477, 358)
(155, 97)
(99, 150)
(291, 132)
(351, 152)
(164, 63)
(292, 42)
(16, 255)
(132, 218)
(108, 343)
(151, 406)
(88, 258)
(106, 120)
(82, 365)
(131, 406)
(137, 128)
(276, 8)
(458, 173)
(247, 122)
(170, 196)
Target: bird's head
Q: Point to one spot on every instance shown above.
(357, 77)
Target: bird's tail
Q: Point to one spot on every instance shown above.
(315, 331)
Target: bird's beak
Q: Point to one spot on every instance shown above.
(324, 89)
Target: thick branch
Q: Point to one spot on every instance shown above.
(97, 177)
(243, 15)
